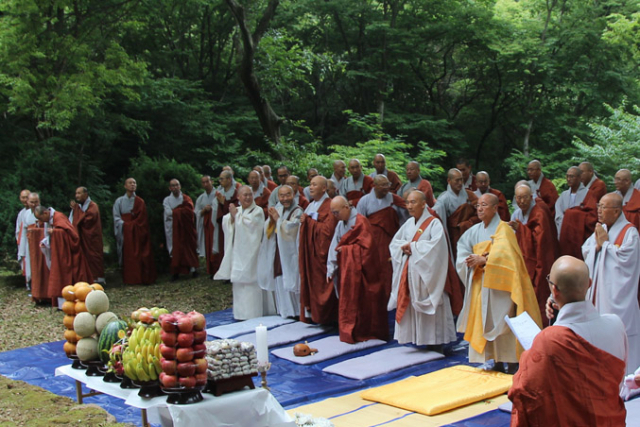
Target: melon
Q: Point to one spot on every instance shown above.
(87, 349)
(84, 324)
(111, 334)
(104, 319)
(97, 302)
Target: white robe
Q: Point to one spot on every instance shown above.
(428, 319)
(207, 200)
(501, 343)
(286, 286)
(408, 185)
(242, 239)
(169, 204)
(337, 182)
(123, 205)
(342, 227)
(27, 219)
(273, 198)
(615, 272)
(566, 201)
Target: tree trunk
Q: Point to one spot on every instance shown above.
(268, 118)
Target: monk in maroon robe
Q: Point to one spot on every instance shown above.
(544, 187)
(351, 187)
(85, 216)
(316, 231)
(538, 241)
(361, 292)
(469, 180)
(131, 225)
(384, 224)
(182, 241)
(631, 203)
(298, 192)
(380, 165)
(263, 199)
(39, 269)
(68, 263)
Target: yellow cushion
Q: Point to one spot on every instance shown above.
(442, 390)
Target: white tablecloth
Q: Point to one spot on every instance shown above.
(245, 408)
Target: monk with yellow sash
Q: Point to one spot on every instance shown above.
(490, 264)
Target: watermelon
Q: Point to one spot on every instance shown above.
(112, 333)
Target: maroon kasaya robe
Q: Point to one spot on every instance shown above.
(564, 380)
(384, 225)
(315, 293)
(461, 220)
(263, 201)
(363, 299)
(39, 269)
(89, 228)
(578, 224)
(68, 263)
(138, 265)
(538, 242)
(632, 209)
(185, 238)
(549, 194)
(354, 196)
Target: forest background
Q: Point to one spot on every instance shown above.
(94, 91)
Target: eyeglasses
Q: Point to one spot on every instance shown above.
(600, 207)
(550, 282)
(336, 213)
(484, 205)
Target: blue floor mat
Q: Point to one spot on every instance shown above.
(290, 383)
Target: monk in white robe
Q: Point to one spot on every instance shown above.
(243, 229)
(339, 170)
(278, 259)
(612, 254)
(418, 253)
(357, 185)
(491, 266)
(570, 197)
(207, 226)
(21, 235)
(283, 175)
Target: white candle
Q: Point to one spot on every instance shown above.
(262, 347)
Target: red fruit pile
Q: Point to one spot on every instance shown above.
(183, 350)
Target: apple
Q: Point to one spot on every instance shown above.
(169, 338)
(199, 351)
(185, 339)
(186, 369)
(169, 322)
(185, 324)
(187, 382)
(199, 337)
(169, 366)
(184, 354)
(178, 313)
(199, 322)
(201, 380)
(201, 365)
(169, 381)
(167, 352)
(146, 317)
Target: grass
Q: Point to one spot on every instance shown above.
(24, 323)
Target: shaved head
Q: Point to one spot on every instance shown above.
(622, 180)
(570, 277)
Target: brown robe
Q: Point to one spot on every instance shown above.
(68, 263)
(263, 201)
(363, 300)
(549, 194)
(316, 294)
(632, 208)
(89, 228)
(138, 265)
(578, 224)
(184, 254)
(355, 195)
(538, 243)
(461, 220)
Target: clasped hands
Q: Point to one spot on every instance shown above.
(474, 260)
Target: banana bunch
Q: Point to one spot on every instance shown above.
(141, 357)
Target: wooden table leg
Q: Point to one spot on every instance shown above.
(145, 422)
(79, 391)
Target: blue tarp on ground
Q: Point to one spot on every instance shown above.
(290, 383)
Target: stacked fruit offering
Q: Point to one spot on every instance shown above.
(183, 350)
(141, 355)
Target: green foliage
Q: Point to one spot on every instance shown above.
(152, 177)
(554, 167)
(614, 143)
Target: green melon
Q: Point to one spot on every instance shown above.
(87, 349)
(112, 333)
